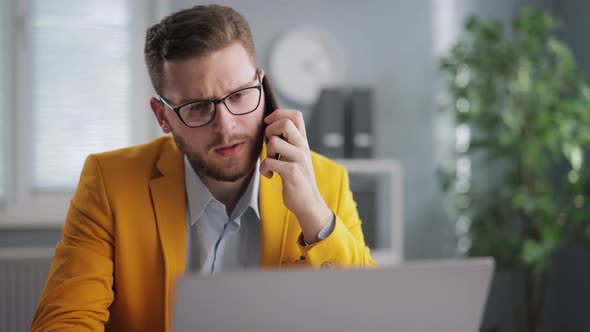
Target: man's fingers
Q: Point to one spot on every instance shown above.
(269, 165)
(288, 171)
(276, 147)
(286, 129)
(294, 115)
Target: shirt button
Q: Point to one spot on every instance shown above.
(326, 265)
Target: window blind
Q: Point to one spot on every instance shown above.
(80, 81)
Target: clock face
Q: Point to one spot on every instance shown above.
(302, 62)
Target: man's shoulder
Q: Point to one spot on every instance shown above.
(138, 156)
(146, 150)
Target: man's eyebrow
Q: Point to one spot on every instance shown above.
(243, 86)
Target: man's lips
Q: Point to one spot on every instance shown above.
(231, 149)
(228, 145)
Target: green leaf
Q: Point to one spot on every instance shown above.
(574, 155)
(524, 75)
(445, 177)
(535, 254)
(551, 235)
(562, 53)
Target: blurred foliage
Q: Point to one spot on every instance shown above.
(528, 110)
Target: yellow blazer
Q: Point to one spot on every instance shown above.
(124, 239)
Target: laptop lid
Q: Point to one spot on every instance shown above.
(446, 295)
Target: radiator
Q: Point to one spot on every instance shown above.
(23, 272)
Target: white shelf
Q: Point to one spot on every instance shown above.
(392, 168)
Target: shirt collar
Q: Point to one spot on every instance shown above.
(198, 196)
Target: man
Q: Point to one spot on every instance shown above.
(195, 200)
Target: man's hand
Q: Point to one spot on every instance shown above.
(286, 137)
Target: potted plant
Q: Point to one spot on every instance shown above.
(519, 184)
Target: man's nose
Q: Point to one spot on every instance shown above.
(224, 121)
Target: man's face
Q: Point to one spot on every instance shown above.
(227, 148)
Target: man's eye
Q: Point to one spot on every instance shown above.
(236, 95)
(200, 107)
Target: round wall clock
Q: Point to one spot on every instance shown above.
(303, 60)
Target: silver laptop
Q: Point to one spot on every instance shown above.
(446, 295)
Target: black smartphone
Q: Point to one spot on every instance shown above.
(270, 100)
(270, 104)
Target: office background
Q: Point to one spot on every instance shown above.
(393, 46)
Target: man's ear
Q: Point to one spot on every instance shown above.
(159, 110)
(261, 74)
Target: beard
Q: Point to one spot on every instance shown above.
(232, 171)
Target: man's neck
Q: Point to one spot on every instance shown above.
(228, 193)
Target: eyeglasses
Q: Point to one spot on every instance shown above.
(198, 113)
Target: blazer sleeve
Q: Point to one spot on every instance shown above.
(345, 246)
(79, 287)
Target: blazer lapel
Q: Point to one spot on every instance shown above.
(169, 201)
(273, 218)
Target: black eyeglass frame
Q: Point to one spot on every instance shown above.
(177, 108)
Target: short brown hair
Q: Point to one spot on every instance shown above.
(194, 32)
